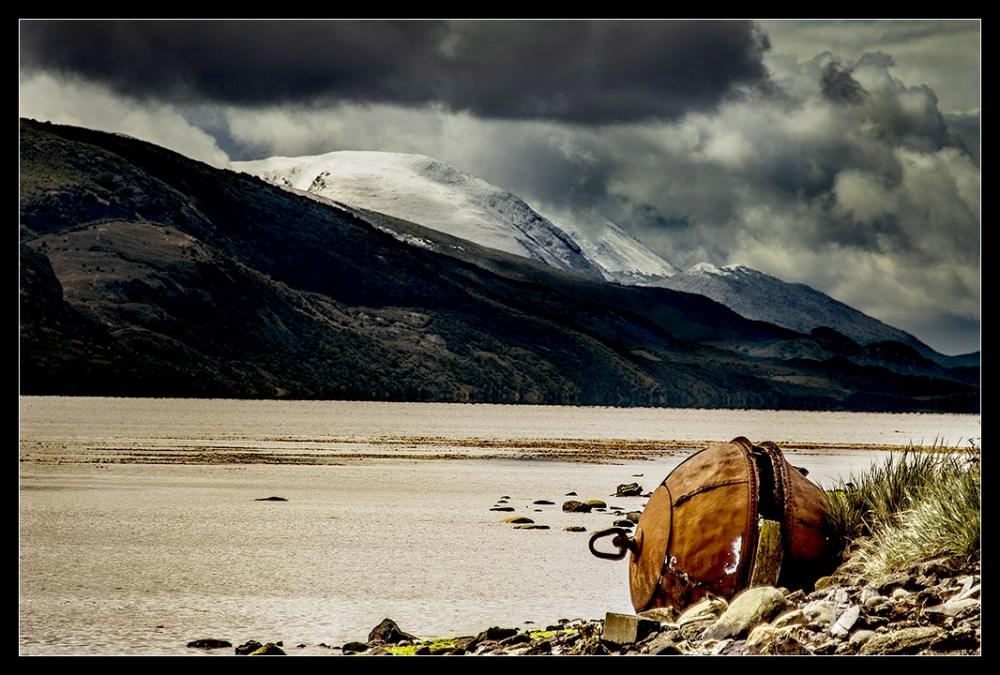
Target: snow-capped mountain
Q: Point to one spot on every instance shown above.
(621, 257)
(441, 197)
(760, 296)
(430, 193)
(435, 195)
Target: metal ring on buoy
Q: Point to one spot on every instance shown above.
(621, 541)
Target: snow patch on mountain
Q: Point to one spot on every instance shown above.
(762, 297)
(435, 195)
(430, 193)
(622, 258)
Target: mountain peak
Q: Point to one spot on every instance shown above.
(442, 197)
(424, 190)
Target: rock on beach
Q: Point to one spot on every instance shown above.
(836, 619)
(839, 618)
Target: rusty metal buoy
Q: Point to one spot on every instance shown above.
(732, 516)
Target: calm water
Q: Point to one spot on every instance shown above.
(122, 556)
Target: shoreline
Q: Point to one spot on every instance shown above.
(335, 450)
(929, 608)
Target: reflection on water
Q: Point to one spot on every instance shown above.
(140, 558)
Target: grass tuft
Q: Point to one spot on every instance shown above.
(913, 506)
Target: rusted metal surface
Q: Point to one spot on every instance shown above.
(701, 530)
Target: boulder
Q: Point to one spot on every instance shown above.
(493, 634)
(661, 614)
(845, 622)
(389, 633)
(628, 490)
(708, 609)
(248, 647)
(904, 641)
(670, 643)
(768, 640)
(270, 649)
(747, 610)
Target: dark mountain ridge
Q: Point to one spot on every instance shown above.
(144, 273)
(756, 295)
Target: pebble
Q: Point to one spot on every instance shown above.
(930, 608)
(771, 621)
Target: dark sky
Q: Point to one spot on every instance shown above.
(840, 154)
(581, 72)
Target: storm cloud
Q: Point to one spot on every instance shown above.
(579, 71)
(833, 165)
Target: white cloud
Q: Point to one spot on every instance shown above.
(863, 197)
(75, 103)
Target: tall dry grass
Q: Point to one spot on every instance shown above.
(912, 506)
